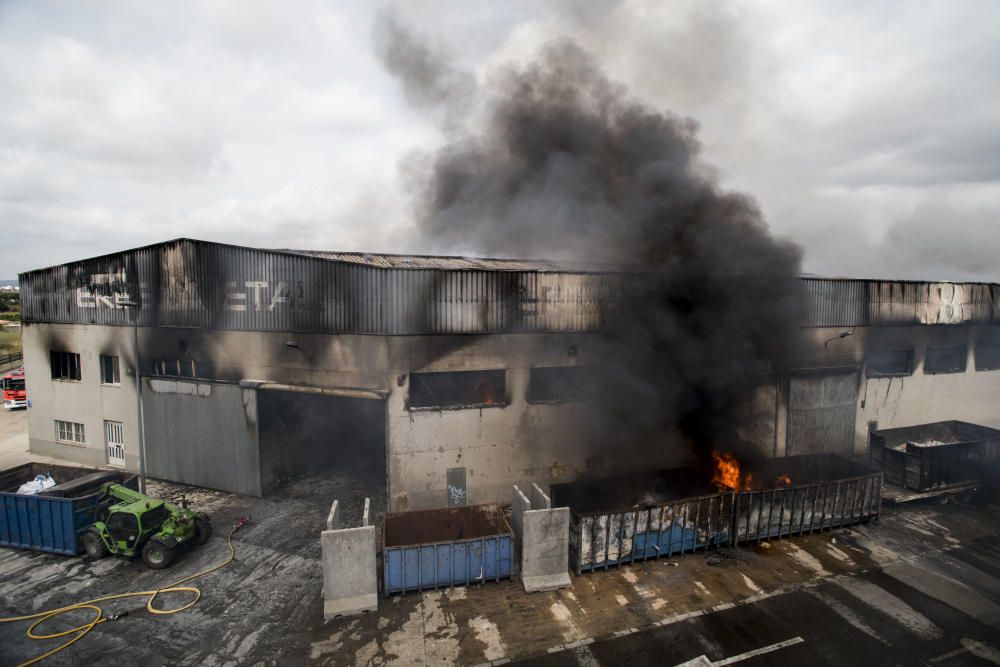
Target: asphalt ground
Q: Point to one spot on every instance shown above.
(870, 618)
(921, 586)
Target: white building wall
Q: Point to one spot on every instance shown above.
(86, 402)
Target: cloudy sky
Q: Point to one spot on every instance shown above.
(869, 132)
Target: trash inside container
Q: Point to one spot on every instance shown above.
(619, 520)
(819, 491)
(446, 547)
(936, 455)
(53, 519)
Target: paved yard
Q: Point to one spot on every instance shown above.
(923, 583)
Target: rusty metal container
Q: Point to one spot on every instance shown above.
(634, 518)
(937, 455)
(823, 491)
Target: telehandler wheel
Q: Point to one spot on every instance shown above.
(157, 555)
(203, 525)
(94, 546)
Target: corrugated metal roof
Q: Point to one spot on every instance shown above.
(186, 283)
(449, 263)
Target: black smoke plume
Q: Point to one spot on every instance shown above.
(555, 160)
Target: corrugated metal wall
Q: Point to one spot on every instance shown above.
(196, 284)
(836, 302)
(203, 434)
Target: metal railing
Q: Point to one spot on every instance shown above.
(11, 358)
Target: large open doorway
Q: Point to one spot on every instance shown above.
(306, 434)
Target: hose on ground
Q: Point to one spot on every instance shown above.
(99, 617)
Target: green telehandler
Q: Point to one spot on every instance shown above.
(138, 524)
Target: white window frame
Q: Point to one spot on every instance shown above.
(71, 433)
(116, 377)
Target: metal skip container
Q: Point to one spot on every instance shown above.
(53, 519)
(446, 547)
(640, 517)
(816, 491)
(623, 520)
(936, 455)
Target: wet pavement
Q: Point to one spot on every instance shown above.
(921, 586)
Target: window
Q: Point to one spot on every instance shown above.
(185, 368)
(562, 383)
(109, 370)
(945, 360)
(13, 384)
(889, 363)
(988, 358)
(461, 389)
(69, 432)
(65, 365)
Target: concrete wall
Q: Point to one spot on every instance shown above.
(499, 446)
(914, 399)
(321, 360)
(202, 433)
(86, 402)
(496, 446)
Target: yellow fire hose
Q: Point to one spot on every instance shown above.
(82, 630)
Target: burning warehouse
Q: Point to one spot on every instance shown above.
(444, 380)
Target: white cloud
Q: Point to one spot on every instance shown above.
(858, 126)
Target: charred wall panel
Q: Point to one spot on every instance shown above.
(834, 302)
(203, 434)
(206, 285)
(821, 413)
(187, 283)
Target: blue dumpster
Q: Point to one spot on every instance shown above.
(53, 520)
(448, 547)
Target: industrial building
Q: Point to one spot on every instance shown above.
(432, 377)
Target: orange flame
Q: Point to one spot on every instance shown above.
(727, 471)
(729, 476)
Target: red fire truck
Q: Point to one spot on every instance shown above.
(14, 393)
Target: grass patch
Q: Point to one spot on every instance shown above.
(10, 342)
(12, 315)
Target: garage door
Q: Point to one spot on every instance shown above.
(821, 410)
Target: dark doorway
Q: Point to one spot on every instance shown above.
(304, 434)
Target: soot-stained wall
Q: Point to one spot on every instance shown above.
(519, 442)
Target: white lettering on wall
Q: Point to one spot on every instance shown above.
(257, 294)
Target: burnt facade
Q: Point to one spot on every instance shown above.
(441, 380)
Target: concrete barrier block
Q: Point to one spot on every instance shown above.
(539, 499)
(350, 579)
(333, 518)
(519, 505)
(545, 550)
